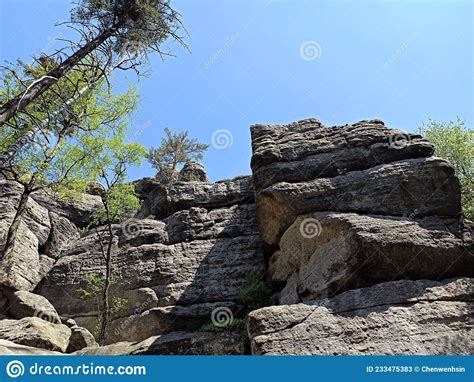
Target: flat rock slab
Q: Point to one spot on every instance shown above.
(423, 318)
(163, 201)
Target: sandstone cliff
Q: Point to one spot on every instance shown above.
(357, 228)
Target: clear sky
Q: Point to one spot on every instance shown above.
(268, 61)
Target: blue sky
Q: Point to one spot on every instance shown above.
(267, 61)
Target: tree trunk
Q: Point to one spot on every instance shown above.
(30, 133)
(105, 314)
(21, 101)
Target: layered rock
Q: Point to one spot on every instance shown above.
(346, 207)
(394, 318)
(77, 210)
(350, 206)
(306, 167)
(325, 253)
(192, 172)
(162, 201)
(173, 273)
(25, 265)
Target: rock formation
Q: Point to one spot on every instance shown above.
(358, 228)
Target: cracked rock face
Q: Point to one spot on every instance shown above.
(325, 253)
(393, 318)
(357, 226)
(306, 167)
(173, 272)
(25, 266)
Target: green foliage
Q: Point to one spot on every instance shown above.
(256, 292)
(83, 232)
(453, 141)
(235, 323)
(93, 290)
(14, 79)
(121, 200)
(175, 149)
(60, 158)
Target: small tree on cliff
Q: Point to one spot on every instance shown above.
(175, 149)
(119, 201)
(454, 142)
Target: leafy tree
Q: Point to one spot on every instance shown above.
(93, 290)
(119, 201)
(61, 161)
(175, 149)
(454, 142)
(114, 33)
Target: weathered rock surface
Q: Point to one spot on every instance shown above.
(306, 149)
(325, 253)
(23, 304)
(192, 172)
(306, 167)
(62, 233)
(177, 343)
(11, 348)
(357, 222)
(400, 317)
(173, 273)
(163, 201)
(80, 338)
(24, 267)
(35, 332)
(77, 210)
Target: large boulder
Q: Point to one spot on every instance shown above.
(392, 318)
(35, 332)
(192, 172)
(364, 168)
(80, 338)
(26, 304)
(325, 253)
